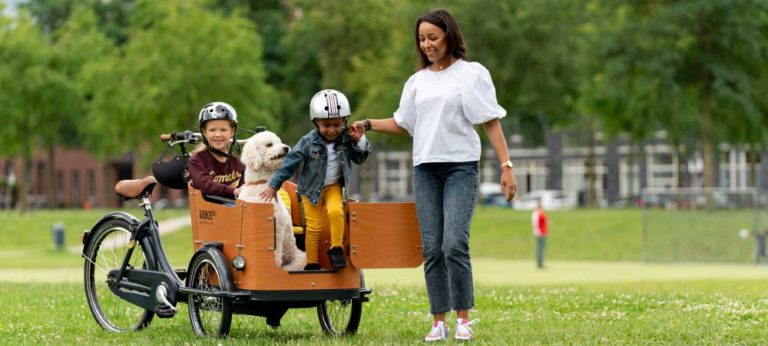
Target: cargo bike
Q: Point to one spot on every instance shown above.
(129, 279)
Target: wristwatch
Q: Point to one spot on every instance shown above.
(507, 163)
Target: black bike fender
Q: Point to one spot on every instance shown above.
(218, 259)
(118, 215)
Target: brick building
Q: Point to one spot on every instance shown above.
(79, 180)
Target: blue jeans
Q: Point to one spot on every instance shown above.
(446, 194)
(541, 245)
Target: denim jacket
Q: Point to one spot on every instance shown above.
(311, 155)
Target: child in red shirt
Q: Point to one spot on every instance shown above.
(212, 168)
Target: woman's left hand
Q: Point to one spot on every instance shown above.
(508, 183)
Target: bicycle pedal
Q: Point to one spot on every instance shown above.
(165, 311)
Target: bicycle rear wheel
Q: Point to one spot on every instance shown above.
(210, 316)
(338, 317)
(106, 252)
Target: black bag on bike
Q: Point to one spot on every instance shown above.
(170, 169)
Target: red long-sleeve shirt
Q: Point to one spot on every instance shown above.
(212, 177)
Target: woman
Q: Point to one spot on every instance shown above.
(439, 105)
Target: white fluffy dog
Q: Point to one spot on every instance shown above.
(262, 155)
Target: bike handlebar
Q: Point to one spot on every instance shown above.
(190, 137)
(184, 136)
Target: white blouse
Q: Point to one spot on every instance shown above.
(439, 110)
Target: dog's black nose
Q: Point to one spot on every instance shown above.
(285, 149)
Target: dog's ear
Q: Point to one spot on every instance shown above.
(243, 157)
(249, 155)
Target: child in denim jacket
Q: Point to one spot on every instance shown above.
(323, 158)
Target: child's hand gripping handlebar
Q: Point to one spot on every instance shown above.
(182, 137)
(195, 137)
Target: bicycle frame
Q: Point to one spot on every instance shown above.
(157, 287)
(138, 285)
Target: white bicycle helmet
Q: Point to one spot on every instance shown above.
(217, 110)
(328, 104)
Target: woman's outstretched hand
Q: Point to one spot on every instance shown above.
(358, 127)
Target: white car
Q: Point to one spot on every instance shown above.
(550, 200)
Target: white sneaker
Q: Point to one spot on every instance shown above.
(463, 331)
(439, 332)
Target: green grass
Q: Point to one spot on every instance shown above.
(26, 240)
(617, 235)
(502, 233)
(590, 234)
(604, 305)
(699, 235)
(692, 312)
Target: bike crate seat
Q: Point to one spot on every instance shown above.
(290, 198)
(219, 200)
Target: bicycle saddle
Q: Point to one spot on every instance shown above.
(135, 188)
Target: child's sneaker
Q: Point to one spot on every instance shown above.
(463, 331)
(439, 332)
(336, 256)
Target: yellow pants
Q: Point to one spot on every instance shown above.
(331, 199)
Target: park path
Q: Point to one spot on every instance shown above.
(493, 272)
(165, 226)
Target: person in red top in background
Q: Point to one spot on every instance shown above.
(212, 168)
(540, 231)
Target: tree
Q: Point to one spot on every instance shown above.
(690, 65)
(75, 44)
(532, 49)
(321, 45)
(179, 57)
(34, 93)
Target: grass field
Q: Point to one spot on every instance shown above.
(595, 290)
(700, 235)
(26, 240)
(594, 235)
(639, 313)
(617, 235)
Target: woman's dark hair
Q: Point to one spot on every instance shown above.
(453, 38)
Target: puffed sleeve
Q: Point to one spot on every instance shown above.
(478, 96)
(405, 115)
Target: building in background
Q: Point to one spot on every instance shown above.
(621, 172)
(78, 180)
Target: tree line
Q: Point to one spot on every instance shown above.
(111, 75)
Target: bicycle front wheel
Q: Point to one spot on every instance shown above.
(106, 252)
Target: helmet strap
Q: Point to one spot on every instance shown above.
(219, 152)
